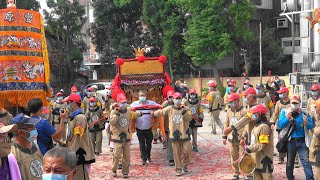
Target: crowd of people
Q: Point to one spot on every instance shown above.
(62, 143)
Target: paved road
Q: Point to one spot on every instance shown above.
(211, 162)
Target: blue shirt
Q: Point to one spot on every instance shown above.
(45, 131)
(144, 122)
(299, 130)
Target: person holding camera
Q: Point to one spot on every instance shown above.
(46, 132)
(298, 141)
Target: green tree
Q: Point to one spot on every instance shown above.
(272, 53)
(216, 29)
(65, 22)
(23, 4)
(117, 29)
(166, 23)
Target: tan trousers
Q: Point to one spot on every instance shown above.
(82, 172)
(96, 138)
(235, 150)
(194, 133)
(121, 150)
(181, 154)
(215, 120)
(262, 176)
(317, 173)
(108, 134)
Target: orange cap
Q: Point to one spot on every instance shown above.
(74, 88)
(177, 95)
(192, 91)
(283, 90)
(212, 84)
(92, 99)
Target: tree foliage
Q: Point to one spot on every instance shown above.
(117, 29)
(65, 22)
(216, 29)
(23, 4)
(165, 23)
(272, 53)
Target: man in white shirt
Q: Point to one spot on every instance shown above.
(144, 127)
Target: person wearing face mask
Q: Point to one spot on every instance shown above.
(299, 140)
(279, 81)
(86, 103)
(282, 104)
(93, 115)
(26, 152)
(120, 121)
(57, 106)
(46, 132)
(246, 85)
(179, 120)
(168, 142)
(181, 87)
(315, 89)
(215, 103)
(78, 137)
(231, 89)
(314, 149)
(107, 109)
(9, 168)
(261, 147)
(59, 164)
(144, 126)
(83, 92)
(234, 114)
(197, 116)
(264, 99)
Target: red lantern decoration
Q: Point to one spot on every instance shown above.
(162, 59)
(141, 59)
(119, 61)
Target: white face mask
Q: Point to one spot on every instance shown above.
(295, 106)
(60, 98)
(92, 104)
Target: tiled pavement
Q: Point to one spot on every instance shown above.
(211, 162)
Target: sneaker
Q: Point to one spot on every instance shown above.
(149, 160)
(235, 177)
(111, 149)
(155, 141)
(185, 169)
(171, 163)
(213, 132)
(97, 154)
(281, 160)
(178, 173)
(125, 176)
(195, 149)
(119, 166)
(296, 165)
(144, 162)
(160, 139)
(114, 174)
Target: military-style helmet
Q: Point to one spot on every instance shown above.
(247, 164)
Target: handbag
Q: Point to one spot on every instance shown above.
(282, 144)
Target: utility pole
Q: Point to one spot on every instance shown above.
(260, 44)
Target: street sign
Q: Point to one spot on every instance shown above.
(294, 78)
(297, 58)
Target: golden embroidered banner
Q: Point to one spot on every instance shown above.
(24, 63)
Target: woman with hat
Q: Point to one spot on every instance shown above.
(261, 146)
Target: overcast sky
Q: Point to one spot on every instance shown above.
(43, 5)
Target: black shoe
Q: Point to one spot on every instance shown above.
(144, 162)
(119, 166)
(149, 160)
(171, 163)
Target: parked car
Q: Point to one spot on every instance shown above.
(101, 91)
